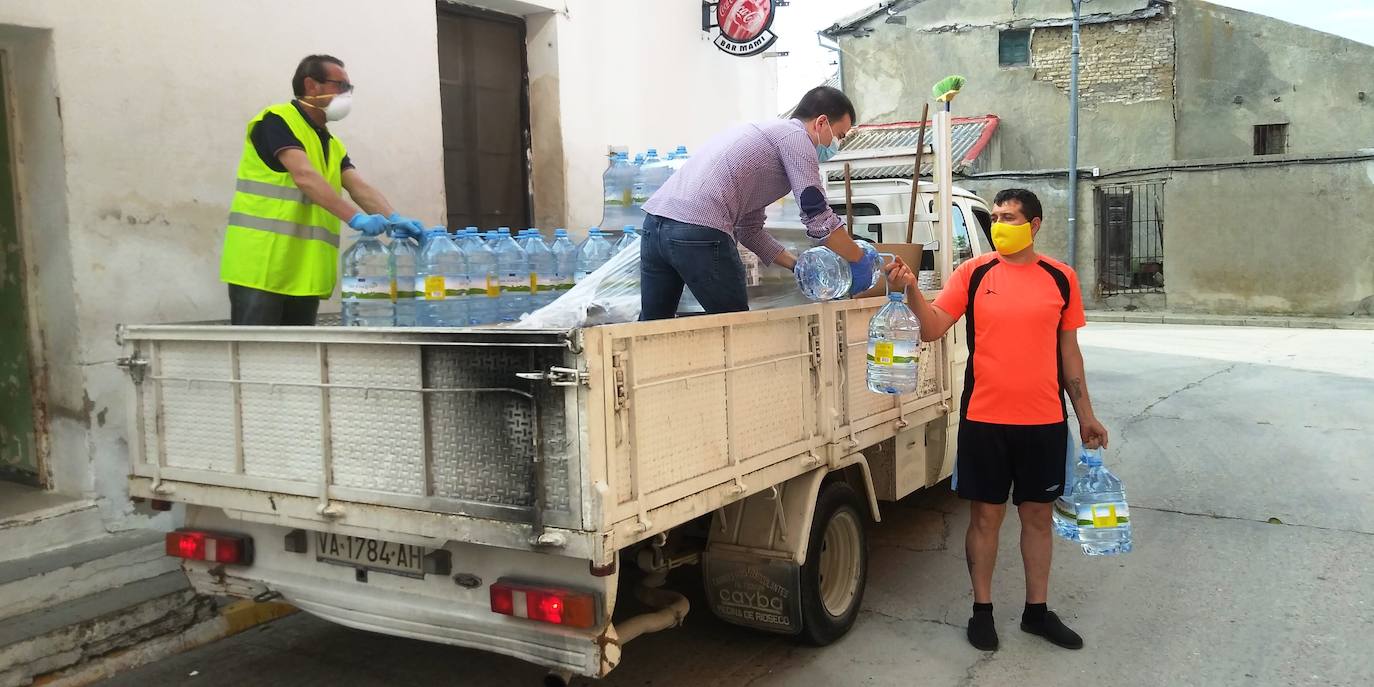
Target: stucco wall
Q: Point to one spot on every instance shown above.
(1294, 238)
(131, 118)
(1281, 73)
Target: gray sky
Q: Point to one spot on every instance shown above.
(808, 65)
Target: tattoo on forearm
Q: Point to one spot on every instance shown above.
(1076, 390)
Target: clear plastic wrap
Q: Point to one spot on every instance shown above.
(611, 294)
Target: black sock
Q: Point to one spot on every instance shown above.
(1035, 613)
(982, 630)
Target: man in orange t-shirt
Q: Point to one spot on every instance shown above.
(1024, 311)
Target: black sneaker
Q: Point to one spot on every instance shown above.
(1051, 628)
(982, 632)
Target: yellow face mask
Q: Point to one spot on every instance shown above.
(1009, 239)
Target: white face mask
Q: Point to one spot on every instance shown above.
(339, 107)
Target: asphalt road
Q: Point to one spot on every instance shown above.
(1246, 454)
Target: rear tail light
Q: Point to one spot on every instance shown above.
(207, 546)
(545, 604)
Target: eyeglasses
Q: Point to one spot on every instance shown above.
(344, 86)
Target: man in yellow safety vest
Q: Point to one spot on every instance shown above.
(281, 247)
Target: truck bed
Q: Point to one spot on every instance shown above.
(571, 442)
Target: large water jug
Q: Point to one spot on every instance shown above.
(402, 261)
(627, 237)
(367, 285)
(678, 158)
(593, 253)
(444, 276)
(822, 275)
(484, 287)
(543, 271)
(565, 262)
(513, 270)
(1104, 519)
(618, 190)
(652, 175)
(894, 345)
(1065, 510)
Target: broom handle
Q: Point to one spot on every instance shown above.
(916, 174)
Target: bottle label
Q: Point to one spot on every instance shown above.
(434, 288)
(362, 288)
(515, 282)
(534, 283)
(493, 287)
(888, 353)
(1103, 515)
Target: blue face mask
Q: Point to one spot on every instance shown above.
(824, 153)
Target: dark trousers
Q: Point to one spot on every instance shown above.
(264, 308)
(673, 254)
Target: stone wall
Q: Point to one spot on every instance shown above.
(1122, 62)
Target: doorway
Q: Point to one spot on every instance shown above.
(483, 93)
(19, 446)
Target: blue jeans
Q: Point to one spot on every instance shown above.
(673, 254)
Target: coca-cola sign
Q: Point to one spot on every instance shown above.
(740, 27)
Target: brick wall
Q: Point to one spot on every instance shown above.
(1121, 62)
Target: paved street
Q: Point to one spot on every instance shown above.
(1246, 456)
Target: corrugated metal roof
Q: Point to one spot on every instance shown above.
(866, 141)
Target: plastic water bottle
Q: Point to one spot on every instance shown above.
(1104, 519)
(513, 270)
(678, 158)
(894, 346)
(444, 277)
(873, 260)
(543, 271)
(593, 253)
(402, 261)
(1065, 509)
(822, 275)
(484, 290)
(652, 175)
(618, 189)
(367, 285)
(627, 237)
(565, 263)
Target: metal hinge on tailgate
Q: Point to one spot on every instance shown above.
(558, 376)
(815, 343)
(135, 366)
(622, 392)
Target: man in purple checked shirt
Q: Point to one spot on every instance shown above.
(719, 197)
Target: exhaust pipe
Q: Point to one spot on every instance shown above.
(558, 677)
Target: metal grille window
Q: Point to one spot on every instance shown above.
(1271, 139)
(1130, 230)
(1013, 48)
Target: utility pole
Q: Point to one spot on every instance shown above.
(1073, 137)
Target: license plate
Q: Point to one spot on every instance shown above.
(370, 554)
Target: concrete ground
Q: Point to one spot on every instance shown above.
(1246, 454)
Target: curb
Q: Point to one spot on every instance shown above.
(1346, 323)
(233, 618)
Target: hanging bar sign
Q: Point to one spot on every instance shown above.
(740, 27)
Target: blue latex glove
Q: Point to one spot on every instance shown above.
(861, 272)
(369, 225)
(413, 227)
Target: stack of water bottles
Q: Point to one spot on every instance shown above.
(628, 185)
(467, 278)
(1093, 510)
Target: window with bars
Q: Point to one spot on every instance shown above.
(1130, 233)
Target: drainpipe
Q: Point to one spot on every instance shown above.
(1073, 137)
(839, 56)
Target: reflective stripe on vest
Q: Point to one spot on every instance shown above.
(277, 239)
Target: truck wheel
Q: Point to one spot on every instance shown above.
(836, 568)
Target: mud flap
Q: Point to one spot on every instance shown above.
(754, 591)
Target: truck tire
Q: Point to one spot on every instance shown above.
(836, 569)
